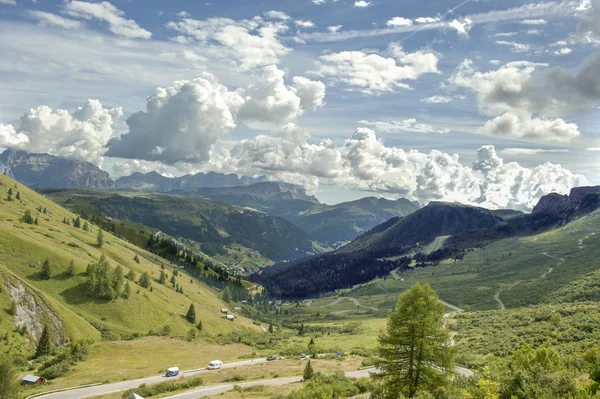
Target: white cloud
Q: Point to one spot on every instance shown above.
(516, 47)
(534, 32)
(334, 28)
(252, 43)
(81, 135)
(405, 125)
(426, 20)
(399, 21)
(105, 11)
(277, 15)
(48, 19)
(183, 121)
(304, 23)
(563, 51)
(364, 162)
(184, 14)
(506, 34)
(588, 28)
(318, 2)
(534, 22)
(362, 3)
(529, 151)
(523, 126)
(436, 100)
(593, 149)
(128, 167)
(462, 27)
(372, 73)
(9, 2)
(496, 62)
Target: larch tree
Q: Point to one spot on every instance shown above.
(415, 347)
(44, 346)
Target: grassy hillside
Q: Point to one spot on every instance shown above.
(65, 302)
(214, 224)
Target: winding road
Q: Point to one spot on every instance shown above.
(354, 300)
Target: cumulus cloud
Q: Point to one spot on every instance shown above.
(436, 100)
(318, 2)
(527, 102)
(81, 135)
(362, 3)
(49, 19)
(106, 12)
(128, 167)
(334, 28)
(562, 51)
(399, 21)
(183, 121)
(405, 125)
(304, 23)
(250, 42)
(426, 20)
(516, 47)
(372, 73)
(588, 28)
(364, 162)
(462, 27)
(277, 15)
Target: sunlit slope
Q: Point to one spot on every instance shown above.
(24, 246)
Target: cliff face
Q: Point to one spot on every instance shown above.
(581, 200)
(44, 170)
(153, 181)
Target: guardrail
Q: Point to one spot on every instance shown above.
(63, 389)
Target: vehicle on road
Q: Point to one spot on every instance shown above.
(215, 365)
(302, 356)
(172, 371)
(271, 358)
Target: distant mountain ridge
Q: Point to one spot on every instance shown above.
(44, 170)
(153, 181)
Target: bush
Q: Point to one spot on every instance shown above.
(164, 387)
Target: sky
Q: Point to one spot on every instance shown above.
(492, 103)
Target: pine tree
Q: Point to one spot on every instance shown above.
(8, 386)
(173, 281)
(127, 291)
(163, 278)
(136, 259)
(191, 314)
(45, 272)
(271, 328)
(71, 269)
(18, 197)
(199, 325)
(45, 211)
(226, 296)
(144, 280)
(10, 192)
(27, 218)
(308, 371)
(77, 222)
(118, 281)
(131, 275)
(86, 226)
(36, 221)
(9, 197)
(44, 346)
(100, 238)
(414, 347)
(301, 329)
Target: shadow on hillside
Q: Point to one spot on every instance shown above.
(79, 295)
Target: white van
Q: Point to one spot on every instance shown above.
(215, 364)
(172, 371)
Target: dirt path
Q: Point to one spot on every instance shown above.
(456, 308)
(497, 296)
(580, 242)
(345, 298)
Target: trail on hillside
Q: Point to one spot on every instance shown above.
(346, 298)
(456, 308)
(580, 242)
(497, 296)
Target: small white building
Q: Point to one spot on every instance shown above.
(224, 310)
(230, 317)
(237, 308)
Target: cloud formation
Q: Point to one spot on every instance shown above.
(183, 121)
(364, 162)
(405, 125)
(49, 19)
(372, 73)
(106, 12)
(81, 135)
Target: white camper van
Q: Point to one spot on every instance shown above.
(215, 364)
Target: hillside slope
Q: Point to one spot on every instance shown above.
(65, 301)
(214, 224)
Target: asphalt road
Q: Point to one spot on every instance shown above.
(122, 386)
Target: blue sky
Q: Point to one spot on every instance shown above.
(347, 98)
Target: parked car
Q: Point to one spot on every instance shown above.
(172, 371)
(302, 356)
(271, 358)
(215, 365)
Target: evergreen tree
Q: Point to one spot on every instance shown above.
(136, 259)
(226, 296)
(301, 329)
(191, 314)
(163, 278)
(45, 272)
(71, 269)
(12, 308)
(308, 371)
(44, 346)
(18, 197)
(199, 325)
(144, 280)
(173, 281)
(118, 281)
(414, 347)
(77, 222)
(127, 290)
(27, 218)
(86, 226)
(8, 386)
(100, 238)
(36, 221)
(131, 275)
(45, 211)
(10, 192)
(271, 328)
(9, 197)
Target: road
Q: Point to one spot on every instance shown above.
(449, 305)
(122, 386)
(215, 390)
(342, 298)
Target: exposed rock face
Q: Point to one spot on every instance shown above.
(552, 203)
(44, 170)
(578, 193)
(153, 181)
(258, 191)
(579, 200)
